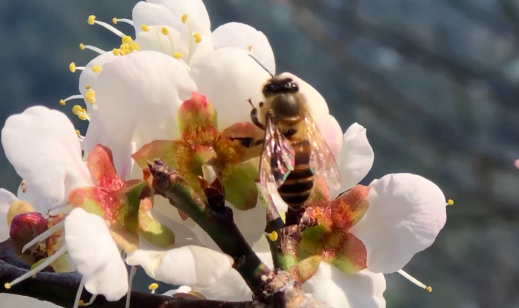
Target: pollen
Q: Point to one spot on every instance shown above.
(198, 37)
(7, 286)
(82, 116)
(153, 286)
(114, 20)
(428, 289)
(134, 47)
(450, 202)
(273, 236)
(62, 102)
(96, 69)
(116, 52)
(145, 28)
(127, 39)
(72, 67)
(91, 19)
(184, 18)
(164, 31)
(249, 48)
(78, 132)
(90, 96)
(77, 109)
(87, 87)
(81, 303)
(177, 55)
(81, 46)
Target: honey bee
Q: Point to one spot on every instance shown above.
(294, 151)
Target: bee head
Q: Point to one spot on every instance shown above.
(278, 85)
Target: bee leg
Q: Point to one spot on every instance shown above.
(248, 142)
(254, 116)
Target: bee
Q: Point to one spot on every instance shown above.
(294, 151)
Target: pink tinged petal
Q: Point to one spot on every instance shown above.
(229, 77)
(332, 133)
(97, 257)
(315, 101)
(101, 167)
(340, 290)
(406, 212)
(355, 158)
(138, 97)
(188, 265)
(43, 147)
(516, 163)
(238, 35)
(196, 115)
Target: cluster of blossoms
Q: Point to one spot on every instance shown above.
(179, 92)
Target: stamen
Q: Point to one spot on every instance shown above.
(73, 68)
(45, 235)
(87, 87)
(250, 48)
(125, 20)
(39, 268)
(24, 186)
(96, 69)
(177, 55)
(133, 270)
(83, 115)
(63, 101)
(77, 109)
(273, 236)
(90, 96)
(92, 20)
(79, 292)
(145, 28)
(184, 18)
(134, 47)
(415, 281)
(127, 39)
(91, 301)
(93, 48)
(198, 37)
(116, 52)
(450, 202)
(164, 31)
(152, 287)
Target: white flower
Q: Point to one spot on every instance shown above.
(16, 301)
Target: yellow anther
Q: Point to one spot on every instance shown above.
(273, 236)
(153, 286)
(428, 289)
(116, 52)
(134, 47)
(114, 20)
(184, 18)
(450, 202)
(145, 28)
(177, 55)
(77, 109)
(82, 116)
(96, 69)
(81, 303)
(123, 52)
(87, 87)
(250, 48)
(90, 96)
(81, 46)
(91, 19)
(127, 39)
(125, 46)
(78, 132)
(7, 286)
(198, 37)
(62, 102)
(72, 67)
(164, 31)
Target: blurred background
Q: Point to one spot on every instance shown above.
(435, 82)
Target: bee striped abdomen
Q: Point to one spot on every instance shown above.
(298, 185)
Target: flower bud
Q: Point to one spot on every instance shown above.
(25, 227)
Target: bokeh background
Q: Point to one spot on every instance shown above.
(435, 82)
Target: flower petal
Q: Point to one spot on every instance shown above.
(30, 195)
(355, 158)
(88, 78)
(405, 214)
(240, 188)
(235, 34)
(17, 301)
(98, 259)
(332, 133)
(6, 199)
(340, 290)
(188, 265)
(229, 77)
(101, 167)
(138, 97)
(43, 147)
(197, 118)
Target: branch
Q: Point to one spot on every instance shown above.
(61, 288)
(277, 288)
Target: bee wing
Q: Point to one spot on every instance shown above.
(277, 157)
(322, 160)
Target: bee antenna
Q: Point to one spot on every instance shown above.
(261, 65)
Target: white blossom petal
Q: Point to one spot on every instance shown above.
(18, 301)
(93, 250)
(44, 149)
(194, 8)
(405, 214)
(41, 203)
(189, 265)
(341, 290)
(6, 199)
(138, 97)
(235, 34)
(229, 77)
(332, 133)
(88, 77)
(355, 158)
(181, 289)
